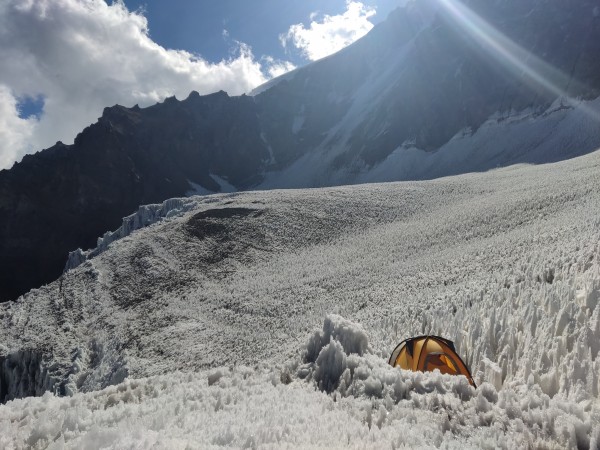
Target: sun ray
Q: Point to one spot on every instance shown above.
(534, 71)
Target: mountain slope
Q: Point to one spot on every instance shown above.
(421, 96)
(424, 75)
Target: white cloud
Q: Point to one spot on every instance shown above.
(13, 129)
(331, 34)
(276, 68)
(83, 55)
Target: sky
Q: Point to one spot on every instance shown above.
(65, 60)
(197, 26)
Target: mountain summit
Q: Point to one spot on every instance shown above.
(439, 88)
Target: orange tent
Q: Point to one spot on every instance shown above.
(427, 353)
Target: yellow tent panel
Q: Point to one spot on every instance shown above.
(427, 353)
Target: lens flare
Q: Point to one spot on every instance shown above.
(534, 71)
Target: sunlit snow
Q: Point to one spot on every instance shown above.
(265, 319)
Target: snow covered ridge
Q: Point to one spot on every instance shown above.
(369, 404)
(566, 129)
(146, 215)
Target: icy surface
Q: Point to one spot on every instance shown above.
(369, 404)
(146, 215)
(281, 308)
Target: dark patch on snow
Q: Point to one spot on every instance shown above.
(213, 222)
(227, 232)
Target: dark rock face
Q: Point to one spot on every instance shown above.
(418, 77)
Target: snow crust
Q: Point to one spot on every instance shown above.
(281, 308)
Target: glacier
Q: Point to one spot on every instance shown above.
(265, 319)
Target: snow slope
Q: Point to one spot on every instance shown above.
(504, 263)
(567, 129)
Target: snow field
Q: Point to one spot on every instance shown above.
(504, 263)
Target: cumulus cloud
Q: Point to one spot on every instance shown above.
(276, 67)
(332, 33)
(83, 55)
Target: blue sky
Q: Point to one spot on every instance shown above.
(197, 26)
(64, 61)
